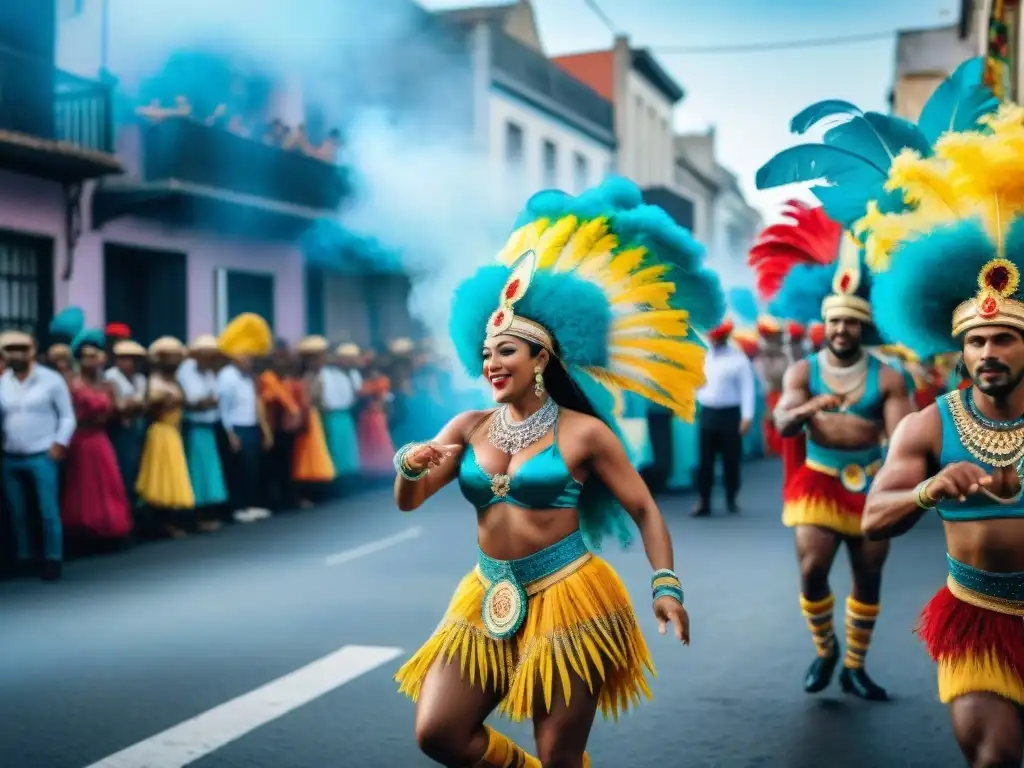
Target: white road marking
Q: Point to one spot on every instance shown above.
(193, 739)
(374, 546)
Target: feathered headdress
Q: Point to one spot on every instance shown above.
(747, 342)
(88, 337)
(66, 325)
(952, 260)
(246, 335)
(612, 288)
(805, 236)
(816, 334)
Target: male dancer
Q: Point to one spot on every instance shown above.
(795, 333)
(846, 401)
(771, 366)
(816, 337)
(963, 456)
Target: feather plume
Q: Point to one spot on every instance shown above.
(743, 304)
(959, 103)
(805, 236)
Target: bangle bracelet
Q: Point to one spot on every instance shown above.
(665, 583)
(402, 468)
(674, 592)
(924, 501)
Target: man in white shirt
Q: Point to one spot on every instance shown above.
(38, 422)
(247, 435)
(726, 414)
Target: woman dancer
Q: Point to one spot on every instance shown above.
(94, 500)
(541, 627)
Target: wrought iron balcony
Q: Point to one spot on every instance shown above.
(211, 159)
(52, 124)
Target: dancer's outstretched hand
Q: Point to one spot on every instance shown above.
(668, 610)
(428, 455)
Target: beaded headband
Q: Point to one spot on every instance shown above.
(844, 301)
(504, 321)
(994, 303)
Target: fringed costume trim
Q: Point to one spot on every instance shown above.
(582, 625)
(977, 649)
(811, 497)
(794, 454)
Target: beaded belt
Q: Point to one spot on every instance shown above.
(997, 592)
(508, 583)
(853, 468)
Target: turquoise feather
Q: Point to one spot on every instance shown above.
(92, 337)
(67, 323)
(743, 305)
(958, 103)
(808, 162)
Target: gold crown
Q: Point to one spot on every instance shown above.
(504, 320)
(993, 304)
(844, 301)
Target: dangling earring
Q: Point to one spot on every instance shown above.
(538, 382)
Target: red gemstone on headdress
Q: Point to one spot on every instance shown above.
(998, 278)
(989, 307)
(512, 288)
(499, 318)
(844, 282)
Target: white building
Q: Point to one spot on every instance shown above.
(541, 128)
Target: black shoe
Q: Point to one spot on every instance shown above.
(701, 510)
(51, 570)
(733, 507)
(857, 682)
(819, 674)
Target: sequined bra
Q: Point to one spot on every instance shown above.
(968, 436)
(543, 481)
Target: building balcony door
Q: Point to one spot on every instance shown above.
(26, 283)
(146, 289)
(238, 291)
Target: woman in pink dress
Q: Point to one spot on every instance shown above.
(376, 449)
(94, 501)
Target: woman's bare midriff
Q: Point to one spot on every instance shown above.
(990, 545)
(508, 532)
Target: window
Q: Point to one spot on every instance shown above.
(550, 163)
(513, 144)
(580, 172)
(26, 284)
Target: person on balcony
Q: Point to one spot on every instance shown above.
(94, 501)
(163, 483)
(243, 339)
(38, 421)
(198, 383)
(128, 429)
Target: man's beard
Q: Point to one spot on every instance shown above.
(18, 366)
(848, 353)
(997, 390)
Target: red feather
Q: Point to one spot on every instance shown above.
(807, 236)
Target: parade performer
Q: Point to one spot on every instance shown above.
(805, 237)
(726, 413)
(816, 336)
(583, 296)
(770, 368)
(93, 500)
(849, 170)
(949, 276)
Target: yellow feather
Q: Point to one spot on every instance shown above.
(522, 240)
(594, 265)
(644, 277)
(553, 241)
(679, 383)
(580, 244)
(682, 353)
(673, 318)
(655, 295)
(625, 263)
(685, 410)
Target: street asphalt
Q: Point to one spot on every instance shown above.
(132, 644)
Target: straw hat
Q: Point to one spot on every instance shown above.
(166, 345)
(15, 339)
(312, 345)
(401, 346)
(128, 348)
(347, 350)
(205, 343)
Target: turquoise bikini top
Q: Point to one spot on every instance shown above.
(870, 404)
(978, 507)
(543, 481)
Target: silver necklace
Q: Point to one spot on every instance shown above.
(513, 436)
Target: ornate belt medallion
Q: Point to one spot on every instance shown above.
(500, 485)
(853, 478)
(504, 608)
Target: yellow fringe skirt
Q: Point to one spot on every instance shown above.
(582, 624)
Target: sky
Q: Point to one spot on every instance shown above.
(748, 96)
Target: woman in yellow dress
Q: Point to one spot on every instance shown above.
(163, 482)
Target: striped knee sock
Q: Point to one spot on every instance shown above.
(502, 752)
(819, 620)
(860, 623)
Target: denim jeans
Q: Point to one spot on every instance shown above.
(40, 472)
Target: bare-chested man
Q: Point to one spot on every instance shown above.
(846, 401)
(770, 367)
(963, 456)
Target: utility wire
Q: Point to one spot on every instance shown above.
(817, 42)
(593, 6)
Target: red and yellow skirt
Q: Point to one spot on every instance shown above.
(522, 634)
(772, 439)
(829, 490)
(976, 636)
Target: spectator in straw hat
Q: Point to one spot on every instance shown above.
(128, 429)
(202, 415)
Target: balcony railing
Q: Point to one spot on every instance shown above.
(46, 112)
(545, 78)
(209, 156)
